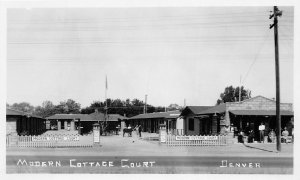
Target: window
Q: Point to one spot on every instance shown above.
(191, 124)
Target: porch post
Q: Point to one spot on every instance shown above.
(214, 124)
(27, 124)
(73, 125)
(24, 121)
(33, 125)
(227, 118)
(58, 125)
(65, 125)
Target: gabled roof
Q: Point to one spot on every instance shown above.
(87, 117)
(97, 115)
(116, 117)
(13, 112)
(194, 109)
(261, 112)
(256, 97)
(167, 115)
(221, 108)
(71, 116)
(110, 117)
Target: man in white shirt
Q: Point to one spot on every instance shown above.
(261, 129)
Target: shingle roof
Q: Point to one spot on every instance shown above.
(198, 109)
(116, 117)
(13, 112)
(261, 112)
(88, 117)
(71, 116)
(97, 116)
(221, 108)
(169, 115)
(194, 109)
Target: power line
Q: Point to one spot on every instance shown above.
(129, 19)
(134, 41)
(256, 56)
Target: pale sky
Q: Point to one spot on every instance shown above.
(170, 54)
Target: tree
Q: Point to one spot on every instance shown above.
(23, 106)
(67, 107)
(47, 109)
(160, 109)
(127, 107)
(231, 94)
(118, 106)
(95, 105)
(136, 102)
(173, 107)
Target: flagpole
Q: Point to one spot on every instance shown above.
(105, 118)
(106, 91)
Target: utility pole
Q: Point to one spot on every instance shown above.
(275, 14)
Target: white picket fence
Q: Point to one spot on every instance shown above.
(220, 140)
(50, 141)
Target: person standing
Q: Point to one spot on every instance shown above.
(272, 136)
(130, 130)
(118, 129)
(251, 136)
(137, 130)
(285, 135)
(261, 129)
(241, 137)
(247, 129)
(140, 130)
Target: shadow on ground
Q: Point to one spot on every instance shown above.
(262, 149)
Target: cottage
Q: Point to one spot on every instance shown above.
(195, 124)
(83, 123)
(18, 122)
(150, 122)
(70, 122)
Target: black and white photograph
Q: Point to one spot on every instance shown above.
(149, 89)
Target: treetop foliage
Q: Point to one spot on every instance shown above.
(231, 94)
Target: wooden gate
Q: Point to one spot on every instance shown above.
(172, 140)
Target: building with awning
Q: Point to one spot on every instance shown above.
(150, 122)
(18, 122)
(249, 113)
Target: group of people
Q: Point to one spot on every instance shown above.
(137, 129)
(272, 134)
(251, 134)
